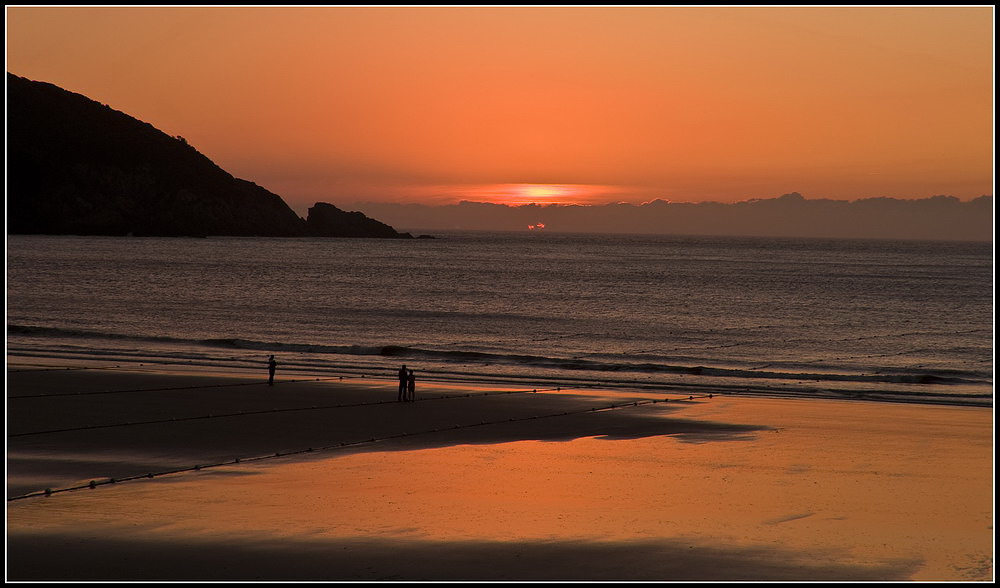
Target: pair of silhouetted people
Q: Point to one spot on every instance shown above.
(407, 385)
(407, 381)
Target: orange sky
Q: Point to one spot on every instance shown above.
(561, 104)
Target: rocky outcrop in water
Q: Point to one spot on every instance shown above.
(326, 220)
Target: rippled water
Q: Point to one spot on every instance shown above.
(889, 320)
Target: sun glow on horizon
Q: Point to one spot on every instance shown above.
(522, 194)
(542, 192)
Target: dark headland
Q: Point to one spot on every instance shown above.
(79, 167)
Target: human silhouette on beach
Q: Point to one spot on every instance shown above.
(403, 380)
(411, 386)
(271, 366)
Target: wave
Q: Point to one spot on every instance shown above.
(35, 331)
(811, 373)
(223, 343)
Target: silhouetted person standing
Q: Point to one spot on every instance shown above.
(411, 386)
(271, 366)
(401, 395)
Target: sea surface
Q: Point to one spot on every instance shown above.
(900, 321)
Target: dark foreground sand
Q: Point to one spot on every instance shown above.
(337, 481)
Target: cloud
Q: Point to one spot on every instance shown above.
(790, 215)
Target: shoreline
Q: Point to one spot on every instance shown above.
(483, 483)
(385, 374)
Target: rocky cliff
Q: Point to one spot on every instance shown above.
(75, 166)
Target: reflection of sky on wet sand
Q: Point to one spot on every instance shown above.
(825, 487)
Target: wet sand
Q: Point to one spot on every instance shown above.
(337, 481)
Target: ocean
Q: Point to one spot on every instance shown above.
(891, 321)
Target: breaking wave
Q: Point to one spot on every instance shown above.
(466, 365)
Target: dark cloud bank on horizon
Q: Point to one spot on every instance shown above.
(791, 215)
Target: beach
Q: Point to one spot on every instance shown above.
(159, 472)
(688, 294)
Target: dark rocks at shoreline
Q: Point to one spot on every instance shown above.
(326, 220)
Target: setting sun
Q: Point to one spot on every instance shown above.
(543, 192)
(518, 194)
